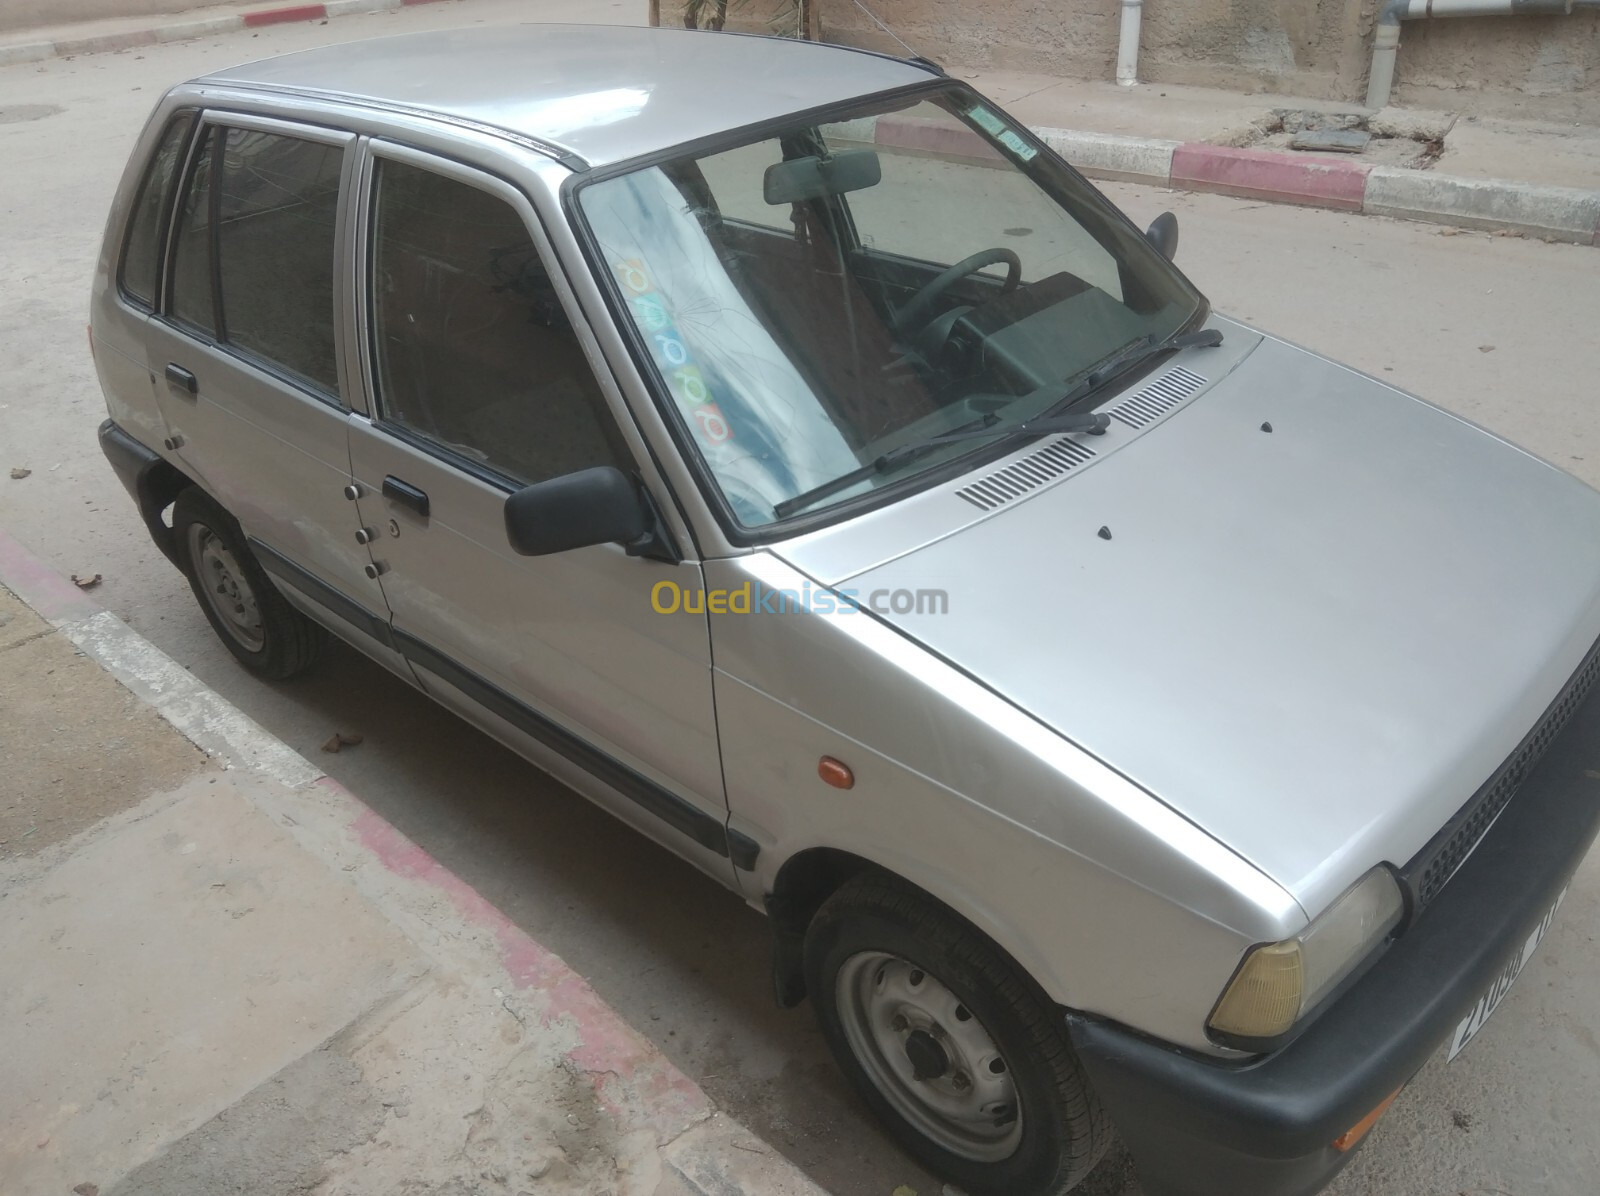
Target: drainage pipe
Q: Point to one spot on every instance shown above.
(1128, 43)
(1380, 82)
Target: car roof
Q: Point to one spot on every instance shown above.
(602, 93)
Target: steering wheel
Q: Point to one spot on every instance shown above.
(919, 305)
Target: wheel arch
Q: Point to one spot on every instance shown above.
(159, 487)
(805, 881)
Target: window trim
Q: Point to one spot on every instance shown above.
(219, 121)
(363, 263)
(180, 170)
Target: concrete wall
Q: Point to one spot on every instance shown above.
(1542, 66)
(1320, 49)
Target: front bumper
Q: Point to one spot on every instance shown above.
(1203, 1127)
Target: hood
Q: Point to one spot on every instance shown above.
(1315, 642)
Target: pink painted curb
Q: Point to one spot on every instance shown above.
(277, 16)
(52, 596)
(609, 1051)
(1265, 174)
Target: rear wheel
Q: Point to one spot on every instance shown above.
(255, 622)
(953, 1046)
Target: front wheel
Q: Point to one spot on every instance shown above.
(954, 1047)
(255, 622)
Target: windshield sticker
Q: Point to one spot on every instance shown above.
(671, 354)
(986, 120)
(1017, 145)
(992, 124)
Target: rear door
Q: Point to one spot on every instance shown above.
(480, 383)
(247, 349)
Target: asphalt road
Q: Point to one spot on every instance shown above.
(1501, 330)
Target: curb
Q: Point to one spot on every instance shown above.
(1558, 213)
(710, 1153)
(1264, 174)
(204, 27)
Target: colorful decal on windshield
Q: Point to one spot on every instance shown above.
(671, 353)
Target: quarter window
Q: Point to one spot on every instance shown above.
(143, 245)
(191, 302)
(474, 351)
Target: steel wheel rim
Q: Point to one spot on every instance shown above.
(898, 1018)
(225, 589)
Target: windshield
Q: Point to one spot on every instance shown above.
(824, 296)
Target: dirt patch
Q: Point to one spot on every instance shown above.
(75, 746)
(1387, 138)
(19, 114)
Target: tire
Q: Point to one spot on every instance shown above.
(254, 621)
(884, 964)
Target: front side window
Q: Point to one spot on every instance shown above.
(142, 247)
(474, 351)
(817, 302)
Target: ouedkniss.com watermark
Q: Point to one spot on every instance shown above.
(753, 598)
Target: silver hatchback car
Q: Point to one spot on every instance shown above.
(1125, 718)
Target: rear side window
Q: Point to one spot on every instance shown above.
(278, 205)
(262, 207)
(142, 246)
(473, 349)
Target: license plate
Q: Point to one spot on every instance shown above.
(1496, 993)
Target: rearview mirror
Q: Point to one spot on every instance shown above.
(1163, 234)
(812, 177)
(593, 506)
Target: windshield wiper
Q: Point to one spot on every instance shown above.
(903, 455)
(1126, 358)
(1049, 424)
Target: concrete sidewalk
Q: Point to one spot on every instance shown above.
(226, 974)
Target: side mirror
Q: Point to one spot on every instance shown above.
(593, 506)
(1163, 234)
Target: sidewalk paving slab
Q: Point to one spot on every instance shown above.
(245, 980)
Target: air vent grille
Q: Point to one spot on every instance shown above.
(1155, 400)
(1031, 472)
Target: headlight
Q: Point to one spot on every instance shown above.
(1279, 983)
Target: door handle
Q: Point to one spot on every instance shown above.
(182, 378)
(406, 494)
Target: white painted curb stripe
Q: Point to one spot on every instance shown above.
(1111, 155)
(201, 714)
(1568, 213)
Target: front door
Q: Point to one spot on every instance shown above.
(246, 351)
(479, 385)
